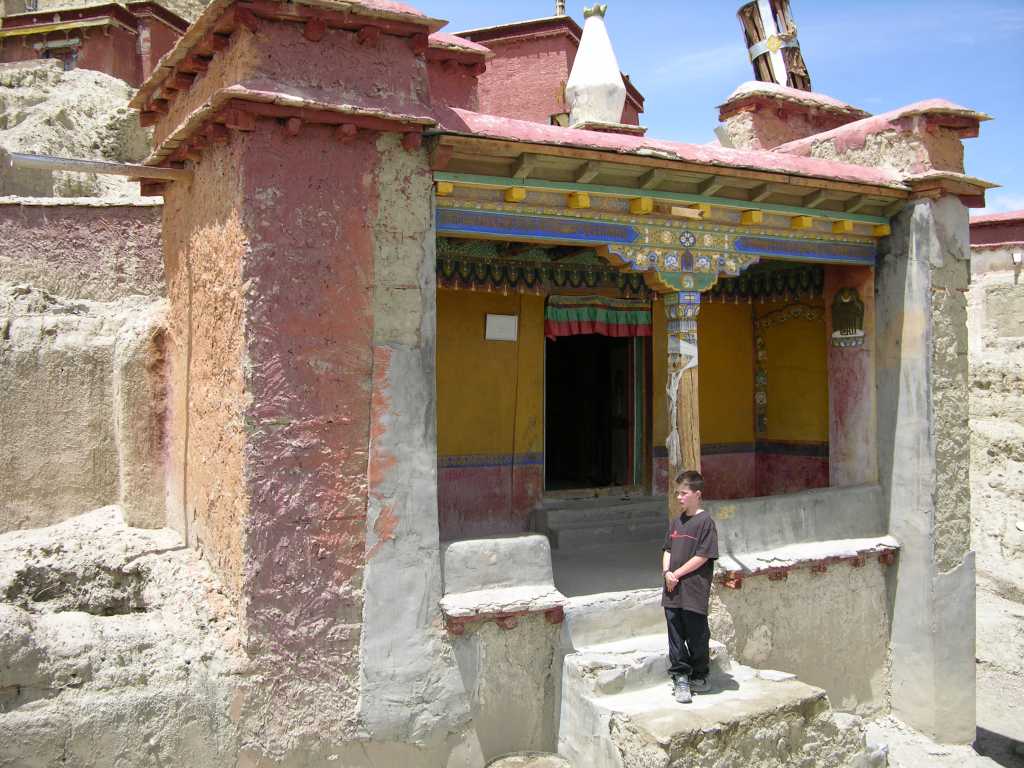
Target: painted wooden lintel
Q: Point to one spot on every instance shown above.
(473, 180)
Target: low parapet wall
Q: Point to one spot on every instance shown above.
(826, 514)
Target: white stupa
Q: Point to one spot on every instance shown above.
(595, 91)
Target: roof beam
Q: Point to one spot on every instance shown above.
(815, 199)
(710, 186)
(630, 193)
(588, 172)
(524, 166)
(856, 204)
(652, 179)
(760, 193)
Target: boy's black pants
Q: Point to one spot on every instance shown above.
(688, 641)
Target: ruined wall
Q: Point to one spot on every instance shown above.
(923, 461)
(772, 625)
(81, 346)
(80, 113)
(89, 249)
(117, 648)
(204, 248)
(996, 330)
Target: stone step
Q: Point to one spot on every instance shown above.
(617, 709)
(584, 523)
(637, 663)
(559, 513)
(612, 617)
(599, 535)
(751, 717)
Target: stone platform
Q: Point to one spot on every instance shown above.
(617, 708)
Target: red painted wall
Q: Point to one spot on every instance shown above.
(161, 38)
(114, 53)
(452, 85)
(309, 339)
(487, 501)
(526, 78)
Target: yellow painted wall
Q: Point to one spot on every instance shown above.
(725, 343)
(478, 381)
(659, 368)
(725, 348)
(797, 377)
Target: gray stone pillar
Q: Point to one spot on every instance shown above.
(924, 464)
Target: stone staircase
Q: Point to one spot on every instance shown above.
(578, 523)
(617, 709)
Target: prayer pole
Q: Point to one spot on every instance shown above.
(683, 405)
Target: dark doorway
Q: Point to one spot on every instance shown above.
(588, 424)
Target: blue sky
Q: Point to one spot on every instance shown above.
(686, 57)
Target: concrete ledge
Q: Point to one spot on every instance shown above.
(500, 580)
(730, 570)
(826, 514)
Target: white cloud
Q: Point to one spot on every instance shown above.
(1002, 201)
(698, 65)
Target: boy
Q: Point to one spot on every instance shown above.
(688, 563)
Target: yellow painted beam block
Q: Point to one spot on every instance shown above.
(641, 205)
(752, 217)
(515, 194)
(843, 227)
(444, 188)
(881, 230)
(578, 200)
(684, 213)
(703, 209)
(801, 222)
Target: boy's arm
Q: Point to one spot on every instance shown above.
(668, 575)
(689, 566)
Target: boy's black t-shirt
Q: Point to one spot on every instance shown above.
(686, 537)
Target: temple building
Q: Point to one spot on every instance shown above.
(121, 39)
(439, 307)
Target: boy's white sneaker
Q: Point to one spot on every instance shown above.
(700, 685)
(681, 689)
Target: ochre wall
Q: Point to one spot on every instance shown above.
(485, 389)
(797, 376)
(792, 454)
(725, 353)
(490, 414)
(204, 246)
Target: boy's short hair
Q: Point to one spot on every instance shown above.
(694, 480)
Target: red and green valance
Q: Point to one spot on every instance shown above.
(573, 315)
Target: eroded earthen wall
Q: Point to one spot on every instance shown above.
(93, 251)
(996, 330)
(81, 345)
(204, 249)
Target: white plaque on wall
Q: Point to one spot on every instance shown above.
(502, 327)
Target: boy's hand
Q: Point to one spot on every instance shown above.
(671, 582)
